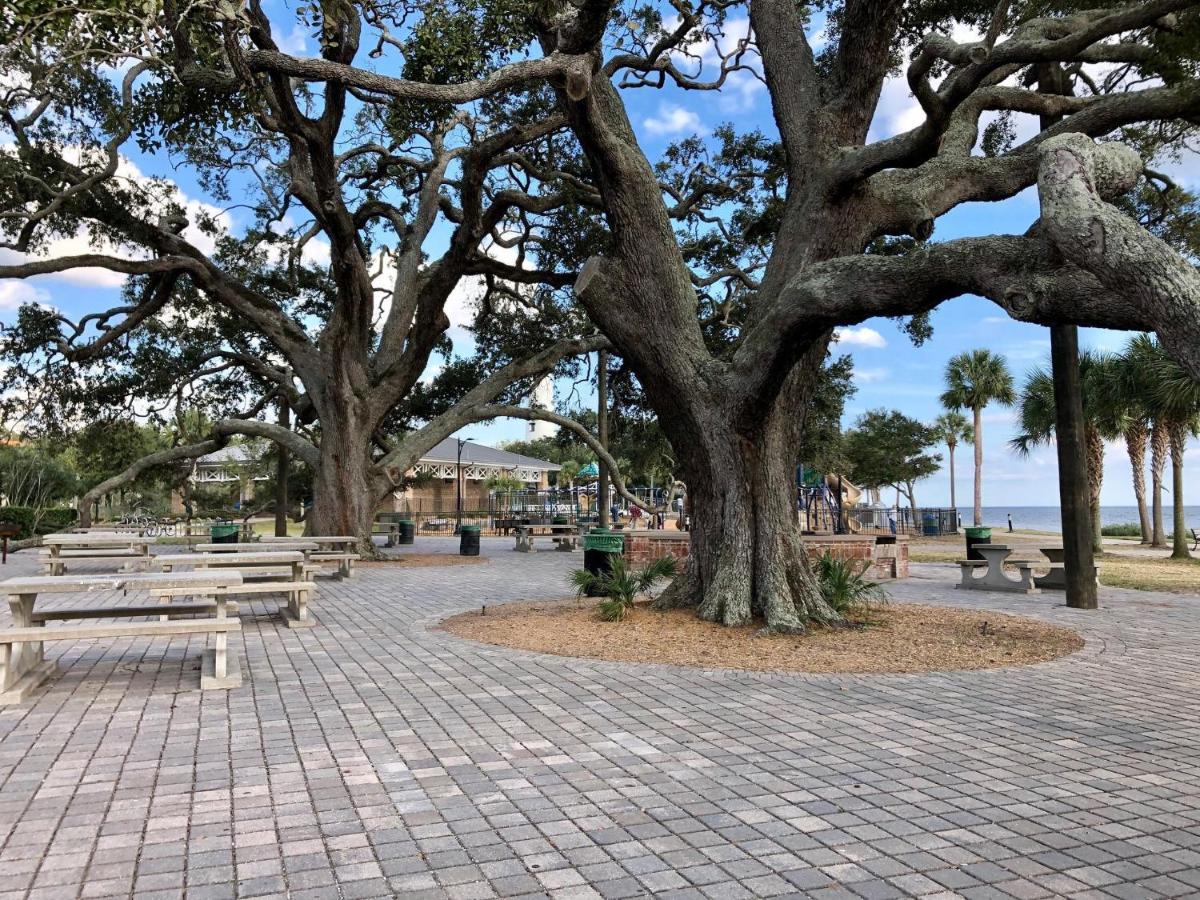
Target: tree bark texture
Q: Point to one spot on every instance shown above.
(1159, 450)
(1135, 445)
(978, 517)
(1179, 540)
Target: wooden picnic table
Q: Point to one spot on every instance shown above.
(23, 665)
(339, 548)
(291, 560)
(993, 578)
(59, 549)
(273, 547)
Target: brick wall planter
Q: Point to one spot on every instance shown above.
(888, 555)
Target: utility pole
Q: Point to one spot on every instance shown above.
(1073, 491)
(281, 473)
(602, 429)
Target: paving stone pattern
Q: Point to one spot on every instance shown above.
(373, 757)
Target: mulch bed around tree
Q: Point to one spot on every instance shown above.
(425, 560)
(901, 637)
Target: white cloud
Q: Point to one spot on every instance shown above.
(860, 337)
(871, 376)
(14, 294)
(295, 42)
(672, 119)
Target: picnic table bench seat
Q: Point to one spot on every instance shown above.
(23, 666)
(565, 537)
(295, 612)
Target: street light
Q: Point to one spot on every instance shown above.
(458, 487)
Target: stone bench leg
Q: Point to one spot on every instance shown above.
(23, 666)
(968, 578)
(295, 615)
(525, 545)
(219, 669)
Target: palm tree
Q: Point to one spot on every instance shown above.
(952, 427)
(1102, 419)
(973, 380)
(1129, 391)
(1175, 399)
(1142, 356)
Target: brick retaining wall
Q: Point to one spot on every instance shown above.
(888, 556)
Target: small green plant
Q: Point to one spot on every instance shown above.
(843, 585)
(620, 586)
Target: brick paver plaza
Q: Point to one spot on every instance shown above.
(373, 757)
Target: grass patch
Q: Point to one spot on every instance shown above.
(1175, 576)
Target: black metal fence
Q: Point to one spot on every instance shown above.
(927, 521)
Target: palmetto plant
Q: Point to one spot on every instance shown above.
(621, 585)
(973, 380)
(843, 585)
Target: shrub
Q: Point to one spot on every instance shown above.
(34, 521)
(621, 586)
(843, 585)
(1127, 529)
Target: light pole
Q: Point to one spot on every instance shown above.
(458, 486)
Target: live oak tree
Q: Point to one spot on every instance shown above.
(361, 171)
(831, 194)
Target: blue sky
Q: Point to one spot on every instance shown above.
(890, 372)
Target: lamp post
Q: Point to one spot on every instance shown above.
(458, 486)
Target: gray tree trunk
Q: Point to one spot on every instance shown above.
(1135, 445)
(978, 519)
(1159, 447)
(1179, 542)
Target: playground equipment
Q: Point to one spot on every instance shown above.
(818, 502)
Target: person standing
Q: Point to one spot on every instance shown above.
(635, 516)
(1010, 528)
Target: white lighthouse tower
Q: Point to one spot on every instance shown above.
(541, 398)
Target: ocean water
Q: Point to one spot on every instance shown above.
(1048, 518)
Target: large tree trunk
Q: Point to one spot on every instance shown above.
(746, 561)
(346, 487)
(1159, 442)
(1179, 543)
(978, 519)
(1135, 445)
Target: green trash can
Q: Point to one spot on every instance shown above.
(468, 540)
(599, 547)
(408, 531)
(976, 535)
(929, 525)
(223, 534)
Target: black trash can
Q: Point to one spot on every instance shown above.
(599, 547)
(468, 541)
(408, 531)
(977, 535)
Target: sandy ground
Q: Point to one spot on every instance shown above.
(901, 637)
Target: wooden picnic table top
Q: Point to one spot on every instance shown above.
(275, 547)
(79, 583)
(97, 540)
(311, 538)
(232, 559)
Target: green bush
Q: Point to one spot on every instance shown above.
(1128, 529)
(52, 520)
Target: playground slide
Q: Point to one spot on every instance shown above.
(850, 492)
(850, 496)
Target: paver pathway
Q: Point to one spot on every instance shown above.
(371, 757)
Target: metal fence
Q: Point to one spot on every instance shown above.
(928, 521)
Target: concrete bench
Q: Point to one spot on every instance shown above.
(57, 565)
(993, 577)
(565, 537)
(345, 561)
(295, 613)
(215, 673)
